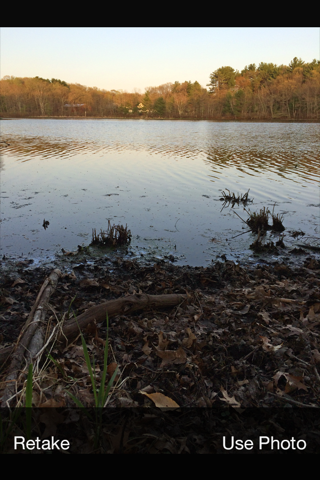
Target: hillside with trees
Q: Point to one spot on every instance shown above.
(262, 92)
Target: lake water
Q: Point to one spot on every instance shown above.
(161, 178)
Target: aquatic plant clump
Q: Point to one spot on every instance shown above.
(116, 235)
(277, 225)
(259, 221)
(232, 199)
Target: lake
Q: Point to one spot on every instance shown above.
(162, 178)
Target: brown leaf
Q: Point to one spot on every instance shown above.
(66, 252)
(89, 282)
(160, 400)
(230, 400)
(265, 316)
(146, 349)
(312, 316)
(187, 342)
(50, 418)
(267, 346)
(172, 356)
(19, 280)
(244, 311)
(315, 356)
(162, 342)
(111, 368)
(51, 402)
(294, 382)
(9, 300)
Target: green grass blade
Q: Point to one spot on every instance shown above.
(87, 359)
(29, 387)
(101, 395)
(75, 399)
(29, 401)
(115, 373)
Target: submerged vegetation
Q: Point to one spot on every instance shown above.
(264, 91)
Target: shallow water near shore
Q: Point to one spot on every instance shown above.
(164, 180)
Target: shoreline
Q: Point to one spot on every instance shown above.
(241, 120)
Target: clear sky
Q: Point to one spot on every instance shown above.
(136, 58)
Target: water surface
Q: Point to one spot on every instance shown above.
(161, 178)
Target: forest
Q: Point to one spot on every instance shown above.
(263, 92)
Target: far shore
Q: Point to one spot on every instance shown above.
(246, 120)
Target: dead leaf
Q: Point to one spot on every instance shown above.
(187, 342)
(111, 368)
(162, 342)
(146, 349)
(160, 400)
(89, 282)
(19, 280)
(50, 418)
(267, 346)
(51, 402)
(172, 356)
(244, 311)
(265, 316)
(9, 300)
(315, 356)
(293, 382)
(66, 252)
(230, 400)
(312, 316)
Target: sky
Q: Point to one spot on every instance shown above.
(133, 59)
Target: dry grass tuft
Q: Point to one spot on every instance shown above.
(116, 235)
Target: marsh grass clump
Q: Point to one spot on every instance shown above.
(115, 236)
(231, 198)
(259, 221)
(277, 225)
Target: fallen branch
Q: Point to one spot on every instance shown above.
(31, 338)
(124, 305)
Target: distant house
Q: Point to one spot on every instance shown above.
(140, 105)
(74, 105)
(79, 107)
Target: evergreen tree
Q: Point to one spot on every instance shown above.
(160, 106)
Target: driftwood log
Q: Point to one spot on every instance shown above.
(31, 340)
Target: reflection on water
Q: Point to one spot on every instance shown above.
(162, 178)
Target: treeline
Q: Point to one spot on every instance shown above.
(267, 91)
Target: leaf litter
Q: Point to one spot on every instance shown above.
(244, 337)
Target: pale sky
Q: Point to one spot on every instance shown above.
(130, 58)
